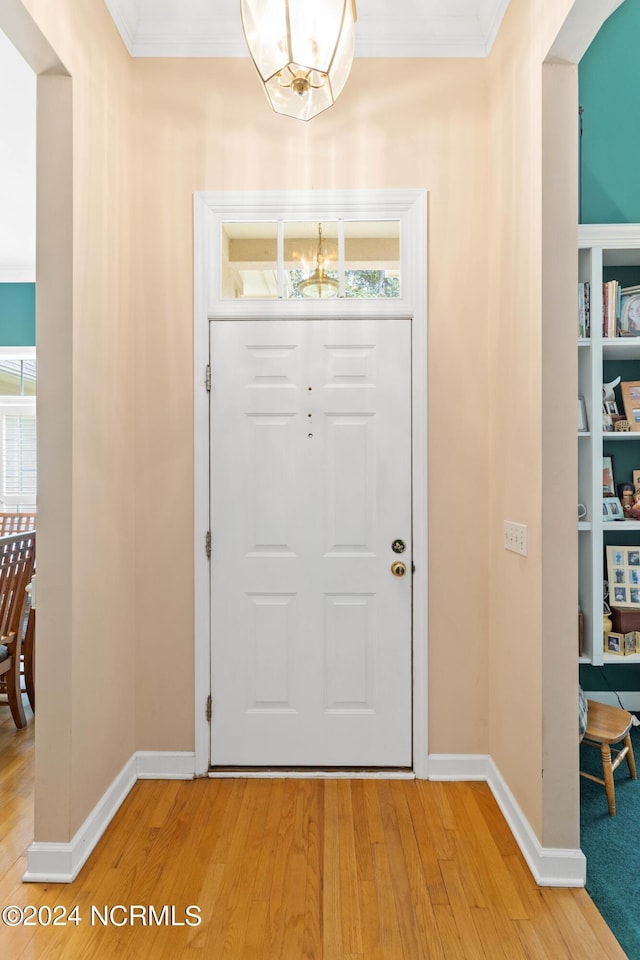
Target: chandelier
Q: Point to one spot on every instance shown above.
(302, 50)
(318, 284)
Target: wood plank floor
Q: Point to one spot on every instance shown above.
(294, 870)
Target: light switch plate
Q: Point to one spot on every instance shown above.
(515, 537)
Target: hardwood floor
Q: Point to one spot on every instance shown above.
(293, 870)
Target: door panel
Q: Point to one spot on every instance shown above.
(310, 485)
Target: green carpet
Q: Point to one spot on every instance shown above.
(612, 846)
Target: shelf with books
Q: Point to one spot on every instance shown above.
(608, 261)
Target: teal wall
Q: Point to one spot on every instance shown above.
(609, 79)
(17, 314)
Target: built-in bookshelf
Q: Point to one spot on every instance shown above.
(608, 348)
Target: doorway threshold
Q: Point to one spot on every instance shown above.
(312, 773)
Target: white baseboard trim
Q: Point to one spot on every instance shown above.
(458, 766)
(158, 765)
(550, 867)
(62, 862)
(630, 699)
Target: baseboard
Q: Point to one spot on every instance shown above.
(630, 699)
(62, 862)
(164, 765)
(458, 766)
(550, 867)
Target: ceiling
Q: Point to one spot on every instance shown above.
(385, 28)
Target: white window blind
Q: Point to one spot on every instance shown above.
(19, 478)
(18, 459)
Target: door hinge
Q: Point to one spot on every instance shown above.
(207, 377)
(208, 709)
(207, 543)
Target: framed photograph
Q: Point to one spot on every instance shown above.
(629, 643)
(630, 311)
(583, 423)
(611, 407)
(623, 574)
(612, 509)
(631, 400)
(608, 485)
(607, 423)
(636, 481)
(614, 643)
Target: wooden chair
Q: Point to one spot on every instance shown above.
(17, 559)
(16, 523)
(607, 725)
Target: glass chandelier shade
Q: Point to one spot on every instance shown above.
(302, 50)
(318, 285)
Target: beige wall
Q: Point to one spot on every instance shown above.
(147, 134)
(419, 124)
(86, 636)
(528, 616)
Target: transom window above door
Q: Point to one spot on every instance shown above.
(313, 259)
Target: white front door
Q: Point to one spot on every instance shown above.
(310, 489)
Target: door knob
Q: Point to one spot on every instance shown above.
(398, 569)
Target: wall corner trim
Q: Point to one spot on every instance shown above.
(549, 866)
(62, 862)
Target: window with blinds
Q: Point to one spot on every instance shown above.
(19, 478)
(18, 442)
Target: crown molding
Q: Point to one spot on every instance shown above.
(187, 28)
(491, 14)
(126, 16)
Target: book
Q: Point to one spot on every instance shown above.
(584, 317)
(610, 308)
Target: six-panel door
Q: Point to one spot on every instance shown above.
(310, 487)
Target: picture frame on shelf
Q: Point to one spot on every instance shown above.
(607, 423)
(612, 509)
(614, 643)
(631, 400)
(623, 574)
(608, 483)
(636, 480)
(630, 311)
(583, 423)
(611, 408)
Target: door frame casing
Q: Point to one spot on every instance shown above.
(211, 208)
